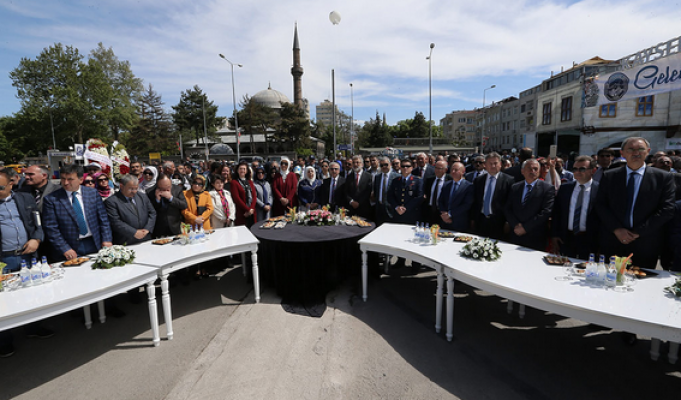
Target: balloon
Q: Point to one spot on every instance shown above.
(334, 17)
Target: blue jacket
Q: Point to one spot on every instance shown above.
(60, 224)
(458, 206)
(409, 195)
(309, 193)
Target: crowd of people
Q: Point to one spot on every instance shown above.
(588, 204)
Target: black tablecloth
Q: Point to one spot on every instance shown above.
(306, 262)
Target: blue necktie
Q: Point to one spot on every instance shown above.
(333, 188)
(631, 188)
(82, 226)
(486, 209)
(578, 210)
(527, 195)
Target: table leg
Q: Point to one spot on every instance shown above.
(88, 316)
(365, 273)
(673, 352)
(243, 263)
(654, 349)
(153, 313)
(256, 275)
(521, 311)
(102, 313)
(509, 306)
(167, 308)
(386, 263)
(438, 300)
(450, 308)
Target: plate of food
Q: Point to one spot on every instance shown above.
(463, 238)
(75, 261)
(363, 224)
(280, 225)
(357, 218)
(350, 222)
(578, 271)
(641, 273)
(275, 219)
(446, 235)
(268, 224)
(556, 260)
(163, 241)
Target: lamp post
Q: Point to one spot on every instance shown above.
(352, 122)
(430, 99)
(236, 119)
(482, 133)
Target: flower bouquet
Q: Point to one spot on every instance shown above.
(675, 289)
(114, 256)
(96, 151)
(481, 249)
(121, 161)
(319, 218)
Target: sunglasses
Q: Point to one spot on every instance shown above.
(197, 183)
(103, 180)
(406, 166)
(385, 165)
(88, 182)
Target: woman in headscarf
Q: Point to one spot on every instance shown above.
(224, 210)
(263, 191)
(244, 196)
(89, 181)
(308, 189)
(102, 185)
(199, 203)
(285, 187)
(149, 176)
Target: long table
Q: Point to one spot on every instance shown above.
(165, 259)
(522, 276)
(80, 287)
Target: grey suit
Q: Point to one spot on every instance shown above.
(126, 217)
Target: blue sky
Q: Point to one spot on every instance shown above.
(380, 46)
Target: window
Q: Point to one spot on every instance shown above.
(566, 109)
(644, 106)
(546, 114)
(608, 110)
(522, 108)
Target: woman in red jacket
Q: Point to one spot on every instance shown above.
(285, 189)
(244, 196)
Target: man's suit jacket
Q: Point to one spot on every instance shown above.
(653, 208)
(471, 176)
(430, 171)
(126, 218)
(457, 206)
(515, 172)
(168, 213)
(502, 188)
(383, 211)
(533, 216)
(561, 214)
(409, 195)
(360, 194)
(27, 208)
(61, 226)
(49, 188)
(428, 214)
(338, 194)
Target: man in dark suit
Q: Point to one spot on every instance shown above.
(168, 202)
(574, 225)
(516, 171)
(379, 193)
(358, 189)
(432, 189)
(456, 200)
(131, 215)
(423, 170)
(74, 217)
(491, 193)
(334, 183)
(633, 204)
(529, 207)
(38, 184)
(478, 169)
(405, 196)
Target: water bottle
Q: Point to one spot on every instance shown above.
(417, 232)
(591, 269)
(601, 271)
(25, 275)
(426, 234)
(46, 271)
(36, 273)
(202, 233)
(611, 276)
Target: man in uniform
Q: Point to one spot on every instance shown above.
(405, 196)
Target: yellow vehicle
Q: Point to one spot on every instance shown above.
(17, 167)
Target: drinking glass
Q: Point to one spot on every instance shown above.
(630, 280)
(568, 274)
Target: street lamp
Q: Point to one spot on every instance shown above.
(430, 98)
(482, 134)
(236, 119)
(352, 123)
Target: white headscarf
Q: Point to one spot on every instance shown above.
(314, 177)
(147, 183)
(282, 171)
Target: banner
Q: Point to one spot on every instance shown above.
(100, 158)
(659, 76)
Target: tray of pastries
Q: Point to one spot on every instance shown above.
(556, 260)
(268, 225)
(280, 225)
(162, 241)
(463, 238)
(642, 273)
(75, 261)
(363, 224)
(446, 234)
(275, 219)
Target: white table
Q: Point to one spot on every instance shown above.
(521, 275)
(80, 287)
(172, 257)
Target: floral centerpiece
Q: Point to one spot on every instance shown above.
(319, 217)
(121, 161)
(95, 150)
(675, 289)
(114, 256)
(481, 249)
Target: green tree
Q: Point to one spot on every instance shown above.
(9, 148)
(153, 130)
(294, 127)
(255, 118)
(189, 116)
(121, 90)
(374, 133)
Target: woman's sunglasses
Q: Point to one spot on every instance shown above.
(88, 182)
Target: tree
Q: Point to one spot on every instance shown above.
(122, 89)
(9, 148)
(189, 114)
(412, 128)
(255, 118)
(294, 127)
(374, 133)
(153, 130)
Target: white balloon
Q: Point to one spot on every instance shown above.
(334, 17)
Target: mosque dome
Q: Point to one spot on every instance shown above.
(221, 149)
(270, 98)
